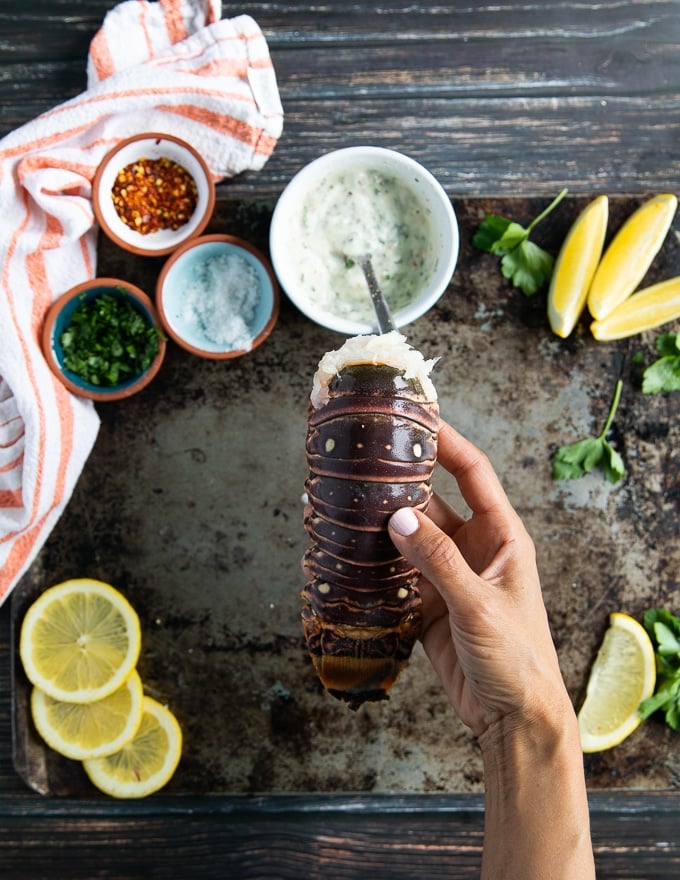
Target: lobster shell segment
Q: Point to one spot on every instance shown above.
(371, 449)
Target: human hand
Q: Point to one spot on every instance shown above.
(485, 627)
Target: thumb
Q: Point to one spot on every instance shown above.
(435, 555)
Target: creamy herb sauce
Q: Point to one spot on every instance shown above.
(353, 213)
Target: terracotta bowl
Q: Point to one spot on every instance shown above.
(217, 297)
(60, 317)
(153, 148)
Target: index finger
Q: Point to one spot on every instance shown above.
(478, 482)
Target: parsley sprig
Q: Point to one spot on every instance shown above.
(574, 460)
(664, 373)
(526, 264)
(108, 341)
(663, 629)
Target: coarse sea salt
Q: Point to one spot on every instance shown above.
(221, 300)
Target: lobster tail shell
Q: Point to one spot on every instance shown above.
(371, 449)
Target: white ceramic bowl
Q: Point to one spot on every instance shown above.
(299, 247)
(151, 146)
(199, 300)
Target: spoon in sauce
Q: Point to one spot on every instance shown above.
(382, 310)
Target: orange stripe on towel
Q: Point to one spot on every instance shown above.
(222, 67)
(114, 98)
(11, 498)
(42, 297)
(174, 22)
(47, 140)
(39, 162)
(145, 29)
(51, 239)
(101, 56)
(17, 556)
(235, 128)
(5, 469)
(30, 374)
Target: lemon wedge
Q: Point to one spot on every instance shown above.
(644, 310)
(575, 266)
(147, 762)
(630, 254)
(80, 640)
(89, 730)
(622, 676)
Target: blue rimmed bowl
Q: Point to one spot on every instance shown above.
(217, 297)
(60, 317)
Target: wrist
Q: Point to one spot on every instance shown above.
(542, 736)
(537, 822)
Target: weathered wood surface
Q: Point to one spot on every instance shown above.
(500, 99)
(511, 98)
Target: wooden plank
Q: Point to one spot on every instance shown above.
(635, 836)
(469, 91)
(264, 840)
(496, 99)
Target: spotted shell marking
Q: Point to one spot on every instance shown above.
(371, 449)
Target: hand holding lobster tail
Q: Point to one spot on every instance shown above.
(371, 448)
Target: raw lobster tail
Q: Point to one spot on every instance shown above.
(371, 448)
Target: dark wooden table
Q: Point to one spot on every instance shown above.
(507, 100)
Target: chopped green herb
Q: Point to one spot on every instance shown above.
(573, 461)
(108, 341)
(663, 629)
(664, 373)
(526, 264)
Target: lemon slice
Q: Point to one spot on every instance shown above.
(622, 676)
(89, 730)
(630, 254)
(80, 640)
(147, 762)
(575, 266)
(644, 310)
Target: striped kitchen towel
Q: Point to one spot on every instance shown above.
(172, 66)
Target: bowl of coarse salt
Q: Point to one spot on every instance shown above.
(217, 297)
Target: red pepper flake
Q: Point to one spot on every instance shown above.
(154, 194)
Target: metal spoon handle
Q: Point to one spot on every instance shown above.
(382, 311)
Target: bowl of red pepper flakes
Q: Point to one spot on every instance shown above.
(151, 193)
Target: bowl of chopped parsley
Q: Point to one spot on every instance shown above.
(103, 340)
(152, 192)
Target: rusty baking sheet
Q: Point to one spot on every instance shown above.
(191, 505)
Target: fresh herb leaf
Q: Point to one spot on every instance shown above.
(490, 233)
(528, 267)
(664, 698)
(663, 629)
(513, 235)
(526, 264)
(668, 344)
(667, 641)
(664, 373)
(108, 341)
(660, 615)
(574, 460)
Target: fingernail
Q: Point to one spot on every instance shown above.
(404, 522)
